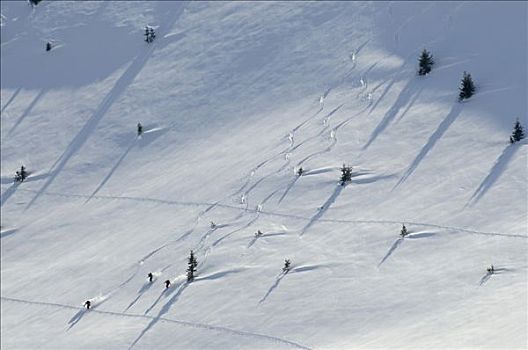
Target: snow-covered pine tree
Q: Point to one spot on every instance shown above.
(467, 87)
(191, 269)
(517, 133)
(346, 174)
(426, 63)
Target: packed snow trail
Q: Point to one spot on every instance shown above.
(218, 329)
(292, 216)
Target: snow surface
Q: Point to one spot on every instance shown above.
(234, 97)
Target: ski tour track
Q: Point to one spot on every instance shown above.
(243, 192)
(208, 327)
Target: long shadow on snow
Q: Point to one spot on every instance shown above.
(30, 178)
(7, 233)
(163, 311)
(114, 168)
(8, 193)
(323, 209)
(119, 87)
(275, 285)
(11, 99)
(403, 99)
(142, 291)
(254, 239)
(437, 135)
(193, 325)
(391, 250)
(80, 314)
(27, 111)
(488, 275)
(496, 171)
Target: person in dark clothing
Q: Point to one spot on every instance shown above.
(48, 46)
(139, 129)
(167, 284)
(150, 276)
(88, 303)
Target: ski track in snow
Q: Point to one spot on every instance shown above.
(291, 216)
(182, 323)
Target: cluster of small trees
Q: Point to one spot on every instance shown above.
(425, 65)
(21, 174)
(150, 34)
(466, 89)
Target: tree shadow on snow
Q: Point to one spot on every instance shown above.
(275, 285)
(163, 311)
(496, 171)
(437, 135)
(488, 274)
(391, 250)
(321, 210)
(129, 75)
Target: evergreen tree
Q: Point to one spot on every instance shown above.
(346, 174)
(191, 269)
(467, 87)
(286, 267)
(426, 62)
(149, 34)
(517, 133)
(21, 174)
(403, 231)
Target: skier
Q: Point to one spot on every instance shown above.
(139, 129)
(213, 225)
(491, 269)
(286, 267)
(300, 171)
(88, 303)
(167, 284)
(258, 233)
(150, 276)
(48, 46)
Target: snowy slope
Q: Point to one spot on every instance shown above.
(234, 97)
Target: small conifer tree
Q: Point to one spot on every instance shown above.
(191, 269)
(346, 174)
(517, 133)
(21, 174)
(403, 231)
(426, 63)
(150, 35)
(467, 87)
(287, 264)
